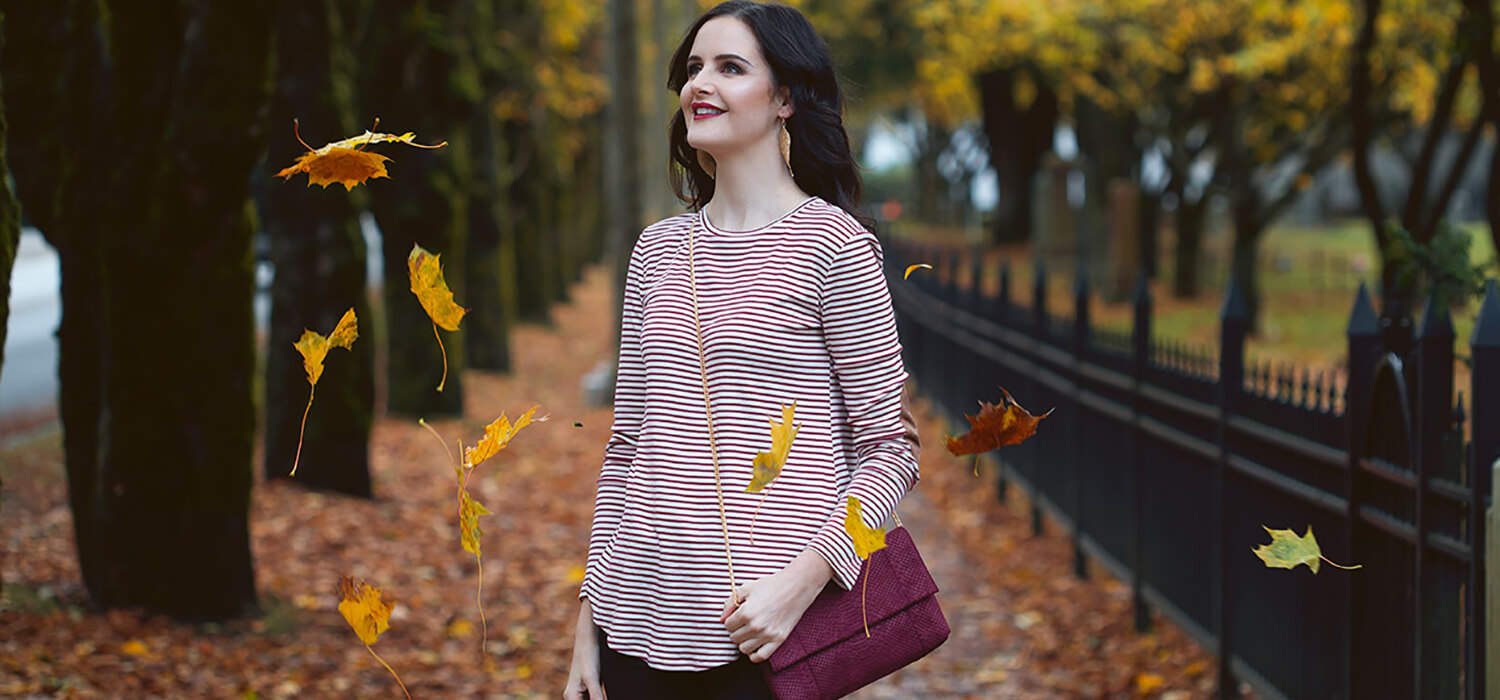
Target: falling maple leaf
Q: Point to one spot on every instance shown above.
(368, 615)
(867, 541)
(1146, 683)
(497, 435)
(995, 426)
(427, 283)
(314, 349)
(913, 268)
(767, 465)
(469, 511)
(345, 162)
(1287, 550)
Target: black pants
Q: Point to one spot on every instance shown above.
(629, 678)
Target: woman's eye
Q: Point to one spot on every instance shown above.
(692, 68)
(732, 68)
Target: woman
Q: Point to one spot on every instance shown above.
(792, 302)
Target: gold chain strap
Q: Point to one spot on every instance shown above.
(708, 411)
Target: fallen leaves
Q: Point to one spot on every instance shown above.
(426, 274)
(1287, 551)
(345, 162)
(314, 349)
(994, 427)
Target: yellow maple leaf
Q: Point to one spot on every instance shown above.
(362, 607)
(866, 540)
(432, 290)
(135, 647)
(768, 465)
(1287, 550)
(469, 511)
(345, 162)
(314, 349)
(913, 268)
(368, 615)
(496, 436)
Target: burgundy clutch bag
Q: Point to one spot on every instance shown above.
(828, 655)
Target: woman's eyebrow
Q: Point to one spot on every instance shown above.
(724, 57)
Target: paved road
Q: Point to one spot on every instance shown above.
(28, 379)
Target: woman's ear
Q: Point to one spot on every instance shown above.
(787, 108)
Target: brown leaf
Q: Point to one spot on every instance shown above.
(995, 426)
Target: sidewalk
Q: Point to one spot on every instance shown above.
(1023, 626)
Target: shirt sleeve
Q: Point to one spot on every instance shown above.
(629, 408)
(859, 324)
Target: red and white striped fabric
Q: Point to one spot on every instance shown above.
(795, 311)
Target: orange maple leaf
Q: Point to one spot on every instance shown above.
(345, 162)
(362, 608)
(995, 426)
(432, 290)
(314, 348)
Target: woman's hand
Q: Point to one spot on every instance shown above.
(767, 610)
(583, 678)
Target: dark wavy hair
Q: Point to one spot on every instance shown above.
(822, 162)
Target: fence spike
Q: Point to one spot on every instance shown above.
(1363, 322)
(1487, 324)
(1437, 323)
(1234, 308)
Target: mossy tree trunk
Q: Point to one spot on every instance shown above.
(319, 254)
(490, 263)
(418, 75)
(133, 152)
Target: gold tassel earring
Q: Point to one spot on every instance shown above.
(786, 145)
(706, 162)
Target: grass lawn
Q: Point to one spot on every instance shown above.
(1308, 274)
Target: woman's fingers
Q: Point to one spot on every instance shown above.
(764, 652)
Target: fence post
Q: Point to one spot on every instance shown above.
(1040, 333)
(1234, 324)
(1364, 351)
(1436, 613)
(1076, 468)
(1484, 463)
(1140, 355)
(1002, 316)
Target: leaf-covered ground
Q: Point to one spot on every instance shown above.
(1023, 626)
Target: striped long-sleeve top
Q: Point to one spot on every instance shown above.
(797, 311)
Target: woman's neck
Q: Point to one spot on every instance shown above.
(751, 191)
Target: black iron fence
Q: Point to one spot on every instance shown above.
(1164, 465)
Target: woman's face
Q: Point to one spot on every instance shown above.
(729, 100)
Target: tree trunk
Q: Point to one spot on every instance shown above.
(535, 254)
(1150, 231)
(1018, 139)
(419, 76)
(930, 190)
(1247, 233)
(488, 332)
(319, 255)
(10, 220)
(1189, 247)
(157, 347)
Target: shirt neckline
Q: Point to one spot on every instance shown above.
(709, 226)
